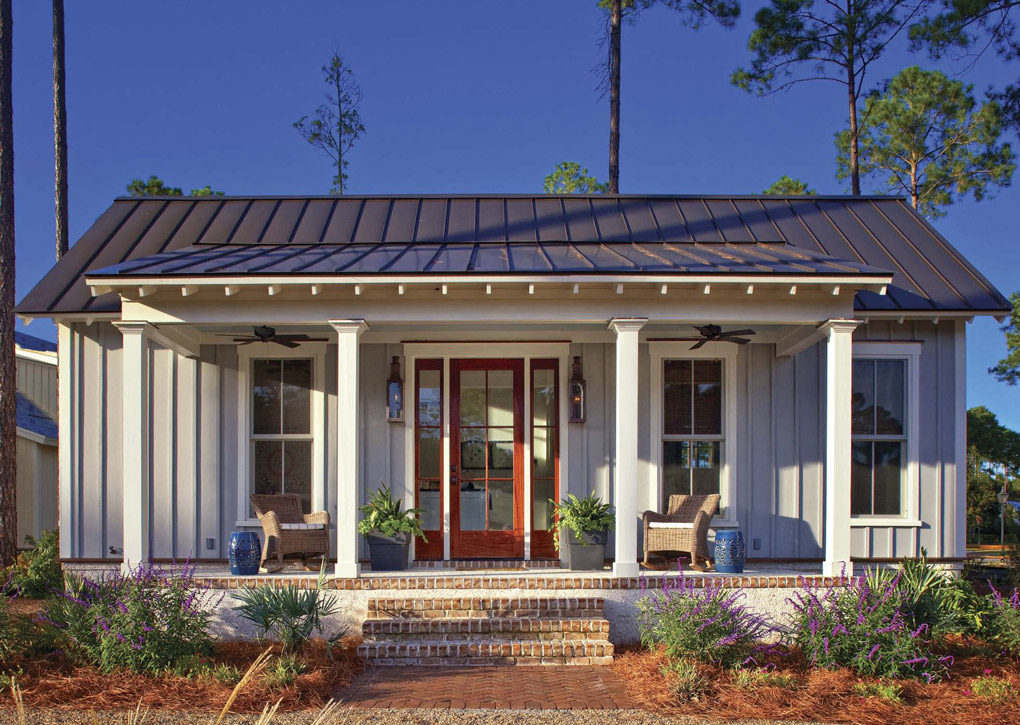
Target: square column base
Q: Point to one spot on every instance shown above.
(628, 569)
(347, 570)
(837, 568)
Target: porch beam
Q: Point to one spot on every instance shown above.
(625, 479)
(348, 447)
(135, 496)
(838, 390)
(175, 339)
(799, 340)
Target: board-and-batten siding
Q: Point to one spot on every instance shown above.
(38, 380)
(778, 451)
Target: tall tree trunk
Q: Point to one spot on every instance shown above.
(851, 88)
(914, 197)
(59, 128)
(8, 381)
(615, 19)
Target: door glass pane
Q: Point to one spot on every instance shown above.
(297, 386)
(705, 467)
(297, 471)
(266, 392)
(541, 509)
(542, 452)
(501, 453)
(472, 452)
(472, 505)
(501, 505)
(429, 502)
(888, 477)
(889, 395)
(862, 400)
(677, 397)
(472, 397)
(860, 479)
(430, 405)
(708, 397)
(501, 397)
(676, 469)
(267, 467)
(543, 399)
(428, 453)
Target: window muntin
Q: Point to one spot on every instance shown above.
(879, 433)
(280, 436)
(692, 430)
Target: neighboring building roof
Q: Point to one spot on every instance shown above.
(33, 419)
(36, 344)
(881, 233)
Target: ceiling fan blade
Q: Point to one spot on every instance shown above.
(738, 340)
(300, 338)
(705, 330)
(285, 343)
(245, 340)
(728, 333)
(698, 344)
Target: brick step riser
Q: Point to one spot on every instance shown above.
(436, 614)
(501, 649)
(465, 607)
(481, 628)
(490, 661)
(512, 636)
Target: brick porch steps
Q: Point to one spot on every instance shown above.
(458, 631)
(486, 564)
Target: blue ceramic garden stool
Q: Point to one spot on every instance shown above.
(245, 552)
(729, 552)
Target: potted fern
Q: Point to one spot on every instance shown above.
(588, 522)
(389, 529)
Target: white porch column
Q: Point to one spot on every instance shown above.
(838, 372)
(347, 446)
(135, 433)
(625, 478)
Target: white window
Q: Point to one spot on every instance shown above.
(693, 423)
(883, 473)
(280, 441)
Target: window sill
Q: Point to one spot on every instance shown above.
(893, 521)
(248, 523)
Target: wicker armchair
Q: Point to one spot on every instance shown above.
(290, 531)
(684, 527)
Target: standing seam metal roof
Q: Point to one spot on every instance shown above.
(525, 233)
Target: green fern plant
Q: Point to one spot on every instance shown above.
(582, 516)
(385, 515)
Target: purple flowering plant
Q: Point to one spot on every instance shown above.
(1004, 621)
(148, 620)
(697, 619)
(855, 625)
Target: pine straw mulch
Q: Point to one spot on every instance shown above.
(56, 683)
(826, 696)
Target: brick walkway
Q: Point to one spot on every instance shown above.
(545, 687)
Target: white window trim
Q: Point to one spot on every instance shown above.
(659, 352)
(245, 355)
(911, 353)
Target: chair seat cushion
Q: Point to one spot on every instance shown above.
(301, 527)
(669, 525)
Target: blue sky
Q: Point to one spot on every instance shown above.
(468, 96)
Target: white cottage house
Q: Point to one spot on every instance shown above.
(214, 347)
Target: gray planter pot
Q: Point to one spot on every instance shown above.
(587, 556)
(388, 554)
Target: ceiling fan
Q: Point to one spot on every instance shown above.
(262, 333)
(714, 333)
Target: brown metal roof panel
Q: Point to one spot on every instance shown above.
(520, 221)
(282, 226)
(550, 219)
(461, 225)
(415, 257)
(451, 259)
(685, 257)
(757, 221)
(491, 258)
(343, 222)
(565, 258)
(432, 221)
(640, 221)
(605, 257)
(403, 215)
(727, 220)
(609, 219)
(525, 257)
(829, 232)
(372, 223)
(782, 258)
(670, 221)
(156, 238)
(46, 295)
(376, 260)
(337, 261)
(646, 257)
(254, 222)
(728, 259)
(313, 222)
(791, 228)
(580, 223)
(699, 221)
(276, 259)
(221, 227)
(980, 293)
(491, 220)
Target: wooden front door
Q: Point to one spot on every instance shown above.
(487, 459)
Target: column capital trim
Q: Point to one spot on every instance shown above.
(839, 325)
(627, 324)
(349, 326)
(133, 327)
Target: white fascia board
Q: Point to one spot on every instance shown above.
(36, 437)
(925, 315)
(47, 358)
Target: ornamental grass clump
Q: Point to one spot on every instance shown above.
(862, 628)
(149, 620)
(703, 623)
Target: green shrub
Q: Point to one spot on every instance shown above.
(587, 515)
(283, 672)
(989, 687)
(224, 674)
(755, 679)
(880, 690)
(288, 615)
(685, 680)
(36, 573)
(150, 620)
(1003, 626)
(384, 515)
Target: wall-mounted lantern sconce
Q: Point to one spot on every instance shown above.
(395, 393)
(576, 405)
